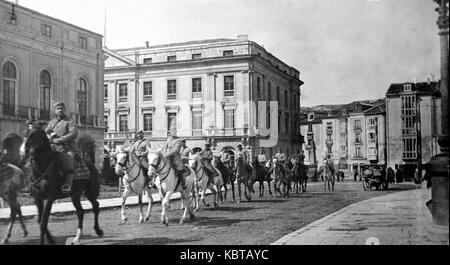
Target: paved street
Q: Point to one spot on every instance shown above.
(396, 219)
(261, 221)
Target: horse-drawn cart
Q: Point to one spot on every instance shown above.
(374, 176)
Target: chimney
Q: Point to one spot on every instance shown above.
(242, 37)
(147, 44)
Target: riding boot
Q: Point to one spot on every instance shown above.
(183, 175)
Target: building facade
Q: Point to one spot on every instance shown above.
(211, 89)
(413, 123)
(352, 134)
(44, 60)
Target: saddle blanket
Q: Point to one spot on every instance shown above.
(5, 172)
(82, 170)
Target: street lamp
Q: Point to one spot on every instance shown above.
(438, 205)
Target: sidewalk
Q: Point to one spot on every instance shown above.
(400, 218)
(67, 207)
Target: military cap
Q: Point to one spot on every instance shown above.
(140, 132)
(59, 104)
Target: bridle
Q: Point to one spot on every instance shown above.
(200, 167)
(129, 168)
(166, 174)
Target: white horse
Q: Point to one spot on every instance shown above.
(168, 183)
(133, 181)
(201, 184)
(327, 176)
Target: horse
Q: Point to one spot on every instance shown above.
(227, 175)
(280, 179)
(167, 183)
(299, 176)
(134, 181)
(202, 182)
(262, 174)
(328, 176)
(12, 180)
(340, 176)
(244, 177)
(45, 170)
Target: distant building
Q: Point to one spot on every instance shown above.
(44, 60)
(413, 124)
(353, 134)
(206, 87)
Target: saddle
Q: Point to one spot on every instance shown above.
(6, 172)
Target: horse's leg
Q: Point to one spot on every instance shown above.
(125, 194)
(22, 223)
(203, 194)
(12, 218)
(44, 223)
(232, 190)
(80, 214)
(225, 187)
(150, 204)
(141, 214)
(96, 210)
(239, 191)
(165, 212)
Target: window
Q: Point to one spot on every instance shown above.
(286, 122)
(148, 122)
(258, 87)
(228, 53)
(148, 60)
(342, 148)
(329, 151)
(268, 117)
(269, 91)
(196, 56)
(229, 119)
(228, 86)
(9, 88)
(310, 128)
(358, 138)
(83, 43)
(123, 92)
(196, 88)
(148, 91)
(123, 123)
(358, 152)
(171, 89)
(408, 114)
(409, 148)
(278, 94)
(197, 123)
(46, 30)
(279, 120)
(407, 87)
(105, 89)
(105, 119)
(82, 100)
(357, 124)
(171, 121)
(12, 18)
(372, 138)
(45, 84)
(172, 58)
(286, 98)
(310, 117)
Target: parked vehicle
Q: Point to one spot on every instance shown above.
(374, 176)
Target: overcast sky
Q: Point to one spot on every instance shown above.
(345, 50)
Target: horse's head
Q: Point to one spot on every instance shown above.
(154, 160)
(254, 160)
(37, 141)
(121, 162)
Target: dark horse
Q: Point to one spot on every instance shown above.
(227, 175)
(299, 177)
(46, 178)
(262, 174)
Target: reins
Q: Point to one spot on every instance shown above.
(158, 170)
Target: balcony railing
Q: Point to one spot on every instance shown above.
(171, 96)
(228, 93)
(148, 98)
(197, 95)
(197, 132)
(329, 131)
(19, 111)
(123, 99)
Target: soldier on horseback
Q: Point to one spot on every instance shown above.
(171, 150)
(262, 158)
(140, 148)
(281, 159)
(62, 133)
(185, 152)
(206, 157)
(330, 163)
(243, 152)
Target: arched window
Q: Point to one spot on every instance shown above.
(9, 88)
(45, 85)
(82, 100)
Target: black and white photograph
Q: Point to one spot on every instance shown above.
(235, 123)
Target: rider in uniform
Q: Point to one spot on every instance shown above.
(140, 148)
(262, 158)
(62, 132)
(243, 152)
(185, 152)
(171, 150)
(206, 157)
(281, 159)
(330, 163)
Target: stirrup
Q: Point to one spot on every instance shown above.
(65, 188)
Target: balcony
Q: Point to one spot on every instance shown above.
(20, 112)
(197, 95)
(123, 99)
(372, 127)
(228, 132)
(329, 143)
(329, 131)
(357, 129)
(358, 143)
(197, 132)
(148, 98)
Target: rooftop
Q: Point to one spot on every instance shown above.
(424, 88)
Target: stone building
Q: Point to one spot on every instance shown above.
(211, 89)
(412, 124)
(44, 60)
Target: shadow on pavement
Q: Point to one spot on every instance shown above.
(153, 241)
(219, 222)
